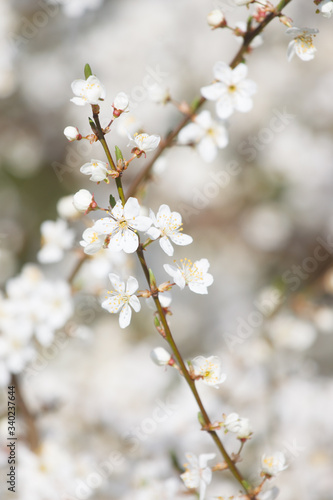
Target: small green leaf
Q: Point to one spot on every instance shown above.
(152, 279)
(195, 103)
(119, 154)
(201, 419)
(157, 322)
(112, 201)
(92, 125)
(87, 71)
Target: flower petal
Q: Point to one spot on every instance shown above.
(131, 208)
(181, 239)
(214, 91)
(224, 106)
(223, 72)
(125, 316)
(130, 241)
(132, 285)
(166, 246)
(117, 283)
(135, 303)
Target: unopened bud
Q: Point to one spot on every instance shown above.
(84, 201)
(72, 134)
(120, 104)
(160, 356)
(216, 19)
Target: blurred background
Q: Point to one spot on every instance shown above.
(265, 226)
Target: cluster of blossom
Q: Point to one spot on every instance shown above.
(32, 311)
(198, 474)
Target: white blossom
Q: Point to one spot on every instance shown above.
(92, 241)
(326, 8)
(302, 44)
(232, 90)
(216, 18)
(209, 370)
(72, 133)
(56, 237)
(82, 200)
(273, 464)
(159, 94)
(122, 298)
(98, 170)
(89, 91)
(198, 475)
(122, 225)
(121, 102)
(193, 274)
(167, 226)
(145, 142)
(241, 426)
(160, 356)
(66, 209)
(207, 135)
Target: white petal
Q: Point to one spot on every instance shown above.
(213, 92)
(204, 119)
(78, 87)
(181, 239)
(116, 243)
(78, 101)
(204, 457)
(223, 72)
(224, 106)
(166, 246)
(207, 149)
(112, 304)
(131, 208)
(125, 316)
(198, 288)
(291, 50)
(190, 133)
(239, 73)
(153, 233)
(141, 223)
(117, 283)
(135, 303)
(242, 103)
(118, 210)
(132, 285)
(130, 241)
(105, 225)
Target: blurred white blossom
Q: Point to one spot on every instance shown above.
(302, 44)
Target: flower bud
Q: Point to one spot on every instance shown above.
(159, 94)
(216, 19)
(72, 134)
(83, 200)
(120, 104)
(271, 465)
(66, 209)
(160, 356)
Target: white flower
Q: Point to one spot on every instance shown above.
(168, 227)
(82, 200)
(92, 241)
(121, 299)
(96, 169)
(122, 225)
(209, 370)
(121, 102)
(241, 426)
(198, 475)
(89, 91)
(193, 274)
(56, 237)
(231, 91)
(72, 133)
(273, 464)
(302, 44)
(257, 40)
(159, 94)
(145, 142)
(216, 18)
(66, 209)
(270, 494)
(326, 8)
(206, 134)
(160, 356)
